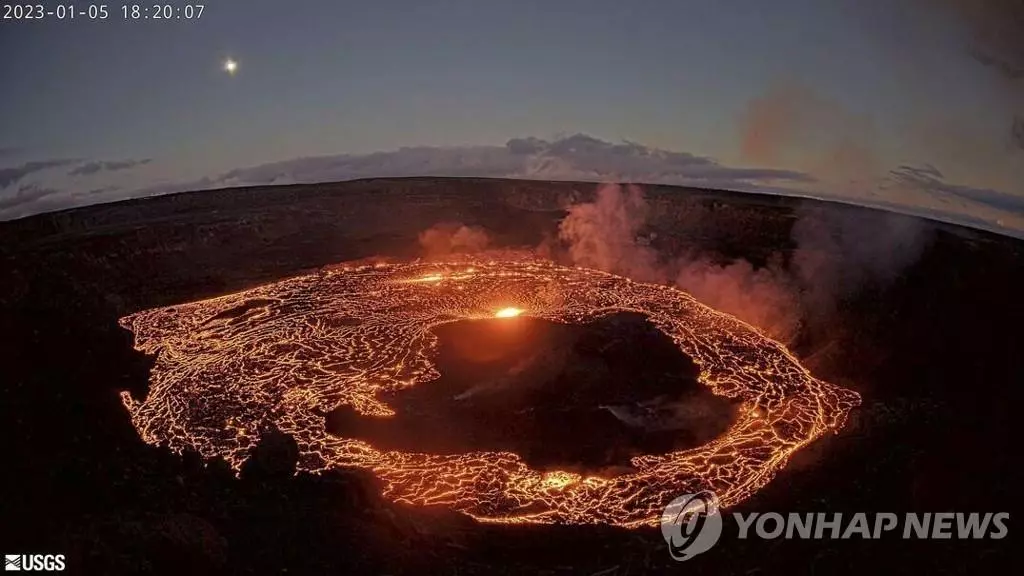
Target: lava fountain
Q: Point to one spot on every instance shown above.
(283, 354)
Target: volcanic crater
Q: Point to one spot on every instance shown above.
(582, 397)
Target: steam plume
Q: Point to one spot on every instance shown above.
(603, 234)
(791, 125)
(836, 253)
(446, 239)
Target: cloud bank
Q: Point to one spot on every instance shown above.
(577, 157)
(930, 178)
(26, 193)
(773, 124)
(13, 175)
(109, 166)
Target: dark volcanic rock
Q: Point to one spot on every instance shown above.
(561, 396)
(273, 458)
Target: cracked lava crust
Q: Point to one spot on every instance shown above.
(283, 354)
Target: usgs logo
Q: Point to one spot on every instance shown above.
(34, 562)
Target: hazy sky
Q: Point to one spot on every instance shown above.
(835, 89)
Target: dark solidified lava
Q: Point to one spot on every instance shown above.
(580, 397)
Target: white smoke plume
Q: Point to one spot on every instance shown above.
(446, 239)
(836, 253)
(603, 234)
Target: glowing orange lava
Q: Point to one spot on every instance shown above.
(281, 355)
(508, 313)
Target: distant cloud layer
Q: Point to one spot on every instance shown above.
(930, 179)
(111, 166)
(920, 190)
(9, 176)
(26, 193)
(578, 157)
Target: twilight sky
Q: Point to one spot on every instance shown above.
(892, 102)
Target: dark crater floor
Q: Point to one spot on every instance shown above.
(584, 397)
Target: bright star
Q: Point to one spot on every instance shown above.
(230, 66)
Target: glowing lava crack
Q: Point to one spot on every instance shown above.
(283, 354)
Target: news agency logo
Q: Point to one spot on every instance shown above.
(33, 562)
(691, 524)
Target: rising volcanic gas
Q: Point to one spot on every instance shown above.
(281, 355)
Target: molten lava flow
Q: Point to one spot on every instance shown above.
(281, 355)
(508, 313)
